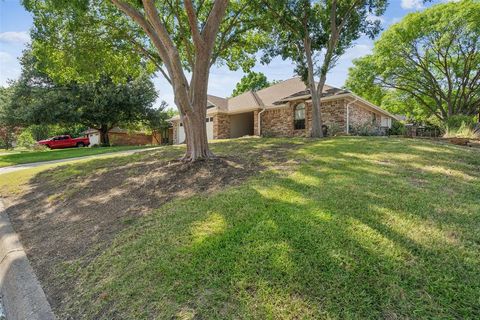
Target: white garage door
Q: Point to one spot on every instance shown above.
(94, 139)
(210, 128)
(181, 134)
(209, 123)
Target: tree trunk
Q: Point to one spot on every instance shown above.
(318, 94)
(191, 99)
(327, 61)
(196, 137)
(104, 139)
(317, 123)
(195, 116)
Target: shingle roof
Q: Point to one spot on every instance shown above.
(220, 103)
(269, 97)
(245, 100)
(279, 90)
(327, 92)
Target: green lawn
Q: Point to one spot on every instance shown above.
(353, 228)
(39, 156)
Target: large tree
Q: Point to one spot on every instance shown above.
(252, 81)
(431, 59)
(37, 99)
(314, 34)
(362, 81)
(105, 104)
(176, 38)
(101, 104)
(8, 121)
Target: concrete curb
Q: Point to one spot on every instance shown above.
(22, 296)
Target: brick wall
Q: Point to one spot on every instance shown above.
(221, 126)
(359, 116)
(279, 122)
(334, 113)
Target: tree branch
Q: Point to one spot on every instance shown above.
(214, 19)
(174, 66)
(145, 25)
(193, 22)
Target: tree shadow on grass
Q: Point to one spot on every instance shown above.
(357, 230)
(72, 213)
(335, 243)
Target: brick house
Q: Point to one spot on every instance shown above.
(285, 110)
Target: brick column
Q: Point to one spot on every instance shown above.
(221, 126)
(175, 135)
(255, 123)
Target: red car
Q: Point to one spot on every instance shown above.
(60, 142)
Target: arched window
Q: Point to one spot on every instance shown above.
(299, 116)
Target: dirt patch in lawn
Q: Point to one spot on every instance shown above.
(63, 226)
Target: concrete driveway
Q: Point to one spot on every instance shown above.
(24, 166)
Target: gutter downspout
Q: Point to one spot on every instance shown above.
(348, 114)
(260, 122)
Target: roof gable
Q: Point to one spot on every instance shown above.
(279, 90)
(245, 100)
(220, 103)
(327, 92)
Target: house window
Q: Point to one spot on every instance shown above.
(299, 116)
(374, 118)
(384, 121)
(211, 119)
(181, 124)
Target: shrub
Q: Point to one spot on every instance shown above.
(267, 134)
(397, 129)
(40, 132)
(457, 121)
(26, 140)
(334, 129)
(460, 126)
(366, 129)
(39, 147)
(3, 143)
(464, 131)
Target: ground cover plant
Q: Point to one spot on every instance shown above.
(364, 227)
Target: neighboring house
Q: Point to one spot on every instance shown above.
(285, 110)
(121, 137)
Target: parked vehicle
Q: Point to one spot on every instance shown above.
(66, 141)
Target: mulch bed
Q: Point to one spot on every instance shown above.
(466, 142)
